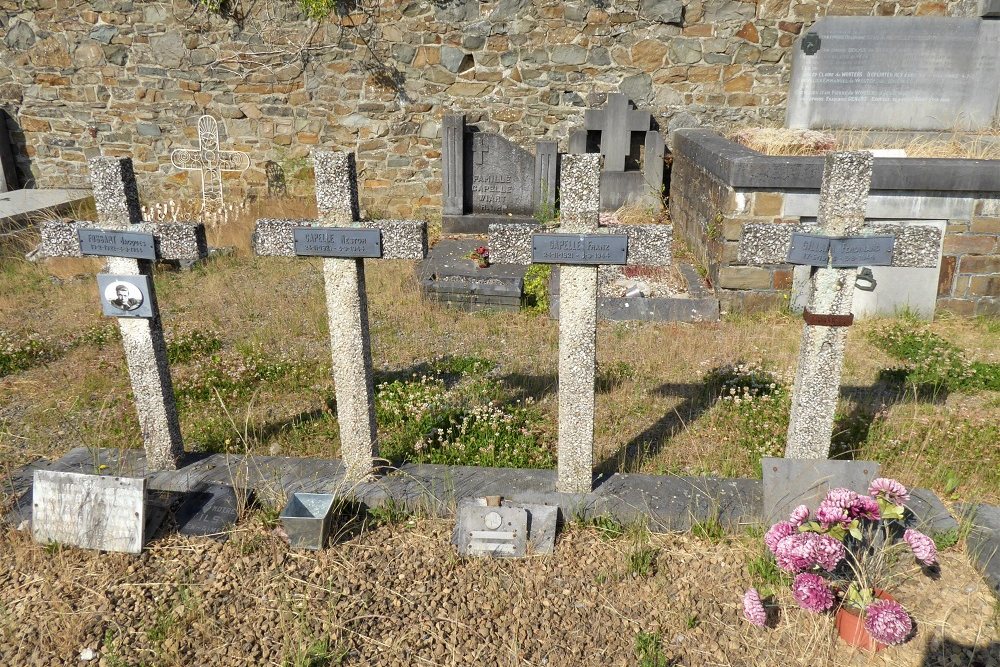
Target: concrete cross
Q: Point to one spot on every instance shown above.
(210, 161)
(581, 246)
(839, 244)
(616, 123)
(122, 238)
(343, 249)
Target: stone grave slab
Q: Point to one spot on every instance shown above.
(789, 483)
(448, 276)
(89, 511)
(491, 531)
(209, 510)
(543, 521)
(902, 73)
(984, 541)
(928, 513)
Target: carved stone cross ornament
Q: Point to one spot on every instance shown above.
(836, 246)
(128, 294)
(344, 242)
(210, 161)
(580, 245)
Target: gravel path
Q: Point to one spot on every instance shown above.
(398, 595)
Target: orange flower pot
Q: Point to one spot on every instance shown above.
(851, 626)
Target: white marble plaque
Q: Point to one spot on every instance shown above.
(89, 511)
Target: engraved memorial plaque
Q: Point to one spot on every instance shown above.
(491, 531)
(579, 249)
(108, 243)
(209, 510)
(809, 250)
(789, 483)
(861, 251)
(337, 242)
(89, 511)
(125, 296)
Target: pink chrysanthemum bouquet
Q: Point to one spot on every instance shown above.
(844, 553)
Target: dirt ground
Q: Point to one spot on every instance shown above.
(399, 595)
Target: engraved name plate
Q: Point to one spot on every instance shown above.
(108, 243)
(491, 531)
(337, 242)
(809, 250)
(579, 249)
(862, 251)
(89, 511)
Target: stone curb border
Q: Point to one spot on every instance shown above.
(740, 167)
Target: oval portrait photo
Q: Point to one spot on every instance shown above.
(123, 296)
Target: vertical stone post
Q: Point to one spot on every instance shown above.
(453, 156)
(580, 186)
(546, 176)
(116, 197)
(347, 311)
(847, 180)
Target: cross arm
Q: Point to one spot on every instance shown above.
(401, 239)
(916, 246)
(648, 245)
(174, 240)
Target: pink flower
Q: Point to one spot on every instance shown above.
(803, 551)
(842, 498)
(799, 516)
(828, 552)
(829, 514)
(923, 547)
(866, 507)
(776, 533)
(887, 622)
(889, 489)
(812, 593)
(753, 608)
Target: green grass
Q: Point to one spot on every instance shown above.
(642, 561)
(649, 650)
(185, 347)
(710, 530)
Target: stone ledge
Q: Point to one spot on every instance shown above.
(648, 245)
(740, 167)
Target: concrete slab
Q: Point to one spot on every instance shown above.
(929, 515)
(19, 206)
(789, 483)
(984, 541)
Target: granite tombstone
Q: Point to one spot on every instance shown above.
(902, 73)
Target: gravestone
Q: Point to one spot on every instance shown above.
(789, 483)
(210, 161)
(579, 247)
(539, 533)
(835, 247)
(488, 179)
(89, 511)
(127, 292)
(491, 531)
(344, 248)
(632, 151)
(901, 73)
(210, 510)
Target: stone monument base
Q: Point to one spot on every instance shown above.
(448, 276)
(478, 223)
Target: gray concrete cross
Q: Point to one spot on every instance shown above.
(117, 200)
(616, 123)
(343, 249)
(844, 236)
(580, 256)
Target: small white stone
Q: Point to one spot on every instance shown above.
(88, 654)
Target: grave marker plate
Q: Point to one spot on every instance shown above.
(861, 251)
(579, 249)
(901, 73)
(125, 296)
(209, 510)
(491, 531)
(789, 483)
(337, 242)
(89, 511)
(809, 250)
(107, 243)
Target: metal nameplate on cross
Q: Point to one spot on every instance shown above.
(210, 161)
(840, 252)
(579, 249)
(337, 242)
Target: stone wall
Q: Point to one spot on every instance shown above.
(130, 78)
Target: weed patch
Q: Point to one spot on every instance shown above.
(932, 363)
(642, 561)
(184, 348)
(649, 650)
(232, 376)
(18, 353)
(536, 289)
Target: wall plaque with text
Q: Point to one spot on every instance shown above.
(579, 249)
(337, 242)
(110, 243)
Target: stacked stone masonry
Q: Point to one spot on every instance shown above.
(131, 78)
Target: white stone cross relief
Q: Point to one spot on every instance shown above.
(210, 161)
(836, 246)
(579, 256)
(121, 230)
(343, 249)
